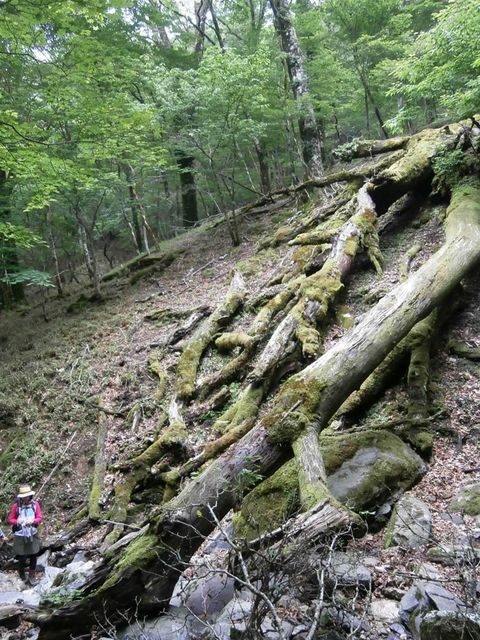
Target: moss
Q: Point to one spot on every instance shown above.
(143, 263)
(350, 247)
(467, 500)
(189, 361)
(155, 367)
(269, 504)
(255, 264)
(294, 409)
(422, 443)
(229, 341)
(138, 555)
(245, 407)
(398, 468)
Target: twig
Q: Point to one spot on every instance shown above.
(58, 463)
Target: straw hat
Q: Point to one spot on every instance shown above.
(24, 491)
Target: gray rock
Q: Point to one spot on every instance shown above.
(346, 570)
(398, 632)
(384, 610)
(427, 571)
(381, 469)
(444, 625)
(424, 597)
(176, 624)
(454, 554)
(467, 499)
(410, 525)
(205, 596)
(10, 615)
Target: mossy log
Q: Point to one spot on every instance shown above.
(318, 291)
(190, 359)
(367, 148)
(144, 264)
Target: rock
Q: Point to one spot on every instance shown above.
(444, 625)
(204, 596)
(384, 610)
(410, 525)
(454, 518)
(427, 571)
(381, 466)
(346, 570)
(176, 624)
(10, 615)
(467, 499)
(454, 554)
(424, 597)
(232, 621)
(398, 632)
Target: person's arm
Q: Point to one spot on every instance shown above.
(38, 515)
(12, 518)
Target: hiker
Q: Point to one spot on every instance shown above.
(25, 516)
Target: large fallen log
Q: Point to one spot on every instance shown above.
(146, 572)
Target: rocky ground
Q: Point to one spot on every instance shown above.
(61, 359)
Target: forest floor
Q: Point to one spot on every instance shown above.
(54, 371)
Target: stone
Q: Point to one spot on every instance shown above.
(410, 525)
(176, 624)
(379, 468)
(454, 554)
(10, 615)
(424, 597)
(398, 632)
(445, 625)
(427, 571)
(467, 499)
(204, 596)
(346, 570)
(384, 610)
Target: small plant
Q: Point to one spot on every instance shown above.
(449, 166)
(61, 597)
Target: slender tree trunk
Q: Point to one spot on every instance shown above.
(188, 189)
(311, 140)
(9, 293)
(53, 249)
(135, 205)
(266, 187)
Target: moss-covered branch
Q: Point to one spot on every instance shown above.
(190, 359)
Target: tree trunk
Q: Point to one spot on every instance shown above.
(188, 189)
(263, 166)
(311, 140)
(53, 249)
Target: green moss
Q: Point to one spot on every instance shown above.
(138, 555)
(398, 468)
(229, 341)
(255, 264)
(269, 504)
(245, 407)
(294, 410)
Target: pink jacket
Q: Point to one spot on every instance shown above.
(12, 518)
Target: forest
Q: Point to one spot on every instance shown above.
(239, 319)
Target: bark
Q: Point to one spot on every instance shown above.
(188, 189)
(53, 249)
(150, 565)
(309, 133)
(9, 293)
(263, 166)
(139, 220)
